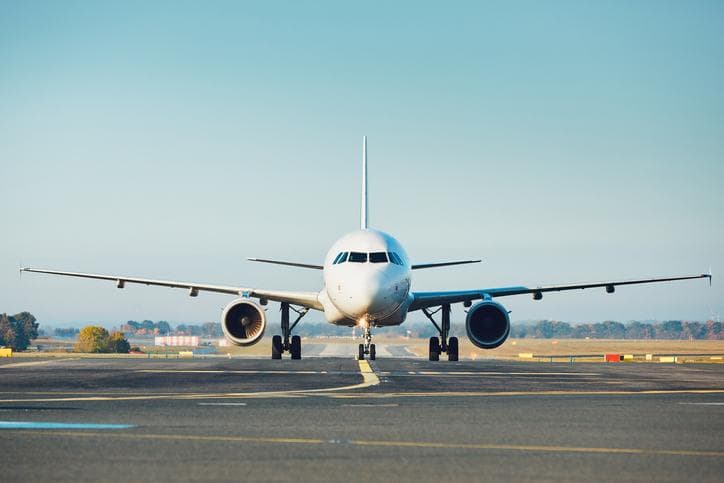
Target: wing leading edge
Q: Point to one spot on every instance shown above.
(423, 300)
(305, 299)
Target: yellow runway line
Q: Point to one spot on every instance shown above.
(369, 378)
(375, 443)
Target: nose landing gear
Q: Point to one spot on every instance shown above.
(368, 348)
(444, 343)
(286, 341)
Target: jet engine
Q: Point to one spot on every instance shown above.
(487, 324)
(243, 322)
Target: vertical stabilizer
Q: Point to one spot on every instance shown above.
(363, 217)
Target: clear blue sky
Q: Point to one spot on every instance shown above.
(561, 142)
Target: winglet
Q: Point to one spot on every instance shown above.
(709, 275)
(363, 211)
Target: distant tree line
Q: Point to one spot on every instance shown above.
(96, 339)
(18, 330)
(547, 329)
(670, 329)
(149, 327)
(544, 329)
(68, 332)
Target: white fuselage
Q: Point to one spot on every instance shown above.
(367, 280)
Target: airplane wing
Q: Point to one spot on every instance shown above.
(422, 300)
(442, 264)
(288, 264)
(305, 299)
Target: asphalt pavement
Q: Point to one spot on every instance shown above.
(338, 419)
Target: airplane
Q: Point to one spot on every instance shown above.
(367, 278)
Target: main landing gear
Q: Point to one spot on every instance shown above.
(368, 348)
(287, 341)
(444, 343)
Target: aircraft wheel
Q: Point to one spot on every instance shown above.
(361, 355)
(452, 349)
(373, 352)
(277, 347)
(296, 347)
(434, 349)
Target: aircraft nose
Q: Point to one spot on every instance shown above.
(375, 296)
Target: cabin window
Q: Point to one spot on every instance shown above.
(378, 257)
(357, 257)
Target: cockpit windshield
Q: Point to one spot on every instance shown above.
(372, 257)
(378, 257)
(357, 257)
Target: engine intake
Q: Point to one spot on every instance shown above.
(243, 322)
(487, 324)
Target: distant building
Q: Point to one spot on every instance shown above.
(177, 340)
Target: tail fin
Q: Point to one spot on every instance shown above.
(363, 217)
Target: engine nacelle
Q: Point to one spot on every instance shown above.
(487, 324)
(243, 322)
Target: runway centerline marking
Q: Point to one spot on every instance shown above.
(395, 444)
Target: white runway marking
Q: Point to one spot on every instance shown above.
(350, 350)
(222, 404)
(370, 405)
(488, 373)
(36, 363)
(703, 403)
(48, 425)
(216, 371)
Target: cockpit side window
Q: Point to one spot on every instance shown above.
(378, 257)
(341, 258)
(395, 258)
(357, 257)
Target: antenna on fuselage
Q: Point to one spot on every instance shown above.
(363, 217)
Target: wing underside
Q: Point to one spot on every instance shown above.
(305, 299)
(423, 300)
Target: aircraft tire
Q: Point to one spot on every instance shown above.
(296, 347)
(373, 352)
(452, 349)
(277, 347)
(434, 349)
(361, 354)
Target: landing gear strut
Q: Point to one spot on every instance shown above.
(287, 341)
(368, 348)
(444, 343)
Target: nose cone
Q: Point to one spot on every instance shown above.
(367, 294)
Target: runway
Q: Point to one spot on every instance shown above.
(331, 419)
